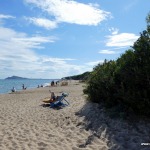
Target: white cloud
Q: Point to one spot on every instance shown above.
(113, 30)
(2, 17)
(6, 16)
(93, 63)
(70, 11)
(19, 40)
(121, 40)
(16, 48)
(107, 52)
(60, 67)
(130, 5)
(111, 51)
(18, 58)
(42, 22)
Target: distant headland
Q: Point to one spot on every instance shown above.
(15, 77)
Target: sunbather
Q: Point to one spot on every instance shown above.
(56, 101)
(53, 97)
(50, 99)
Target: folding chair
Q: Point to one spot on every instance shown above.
(60, 101)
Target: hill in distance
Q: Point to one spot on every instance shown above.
(15, 77)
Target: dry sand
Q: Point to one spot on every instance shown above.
(26, 125)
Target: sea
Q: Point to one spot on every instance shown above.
(7, 84)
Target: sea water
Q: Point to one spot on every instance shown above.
(7, 84)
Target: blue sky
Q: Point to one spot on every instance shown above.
(57, 38)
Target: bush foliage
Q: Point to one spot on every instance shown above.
(83, 76)
(124, 82)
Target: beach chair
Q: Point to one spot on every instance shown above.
(64, 83)
(60, 102)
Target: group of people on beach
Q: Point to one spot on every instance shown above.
(14, 89)
(39, 86)
(53, 83)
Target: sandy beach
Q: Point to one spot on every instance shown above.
(26, 125)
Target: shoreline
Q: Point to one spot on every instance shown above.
(26, 124)
(7, 85)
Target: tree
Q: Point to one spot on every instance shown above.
(126, 81)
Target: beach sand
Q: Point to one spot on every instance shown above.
(26, 125)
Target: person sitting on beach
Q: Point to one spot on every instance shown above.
(13, 89)
(51, 99)
(55, 98)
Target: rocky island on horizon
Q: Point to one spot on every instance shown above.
(15, 77)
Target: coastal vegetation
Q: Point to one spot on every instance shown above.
(82, 77)
(124, 84)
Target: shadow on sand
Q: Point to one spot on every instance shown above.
(119, 134)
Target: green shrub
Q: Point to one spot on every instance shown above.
(124, 83)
